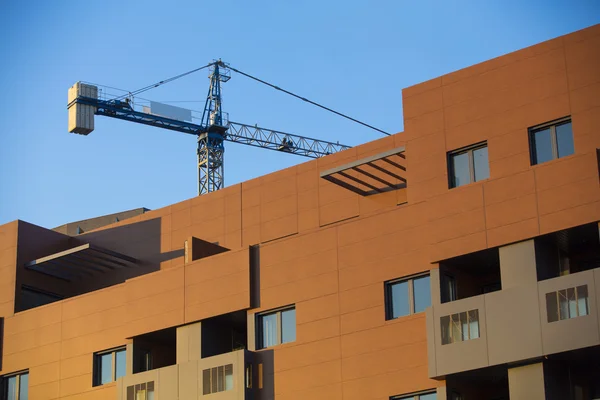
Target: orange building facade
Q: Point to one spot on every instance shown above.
(459, 259)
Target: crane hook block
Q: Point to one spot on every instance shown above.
(81, 116)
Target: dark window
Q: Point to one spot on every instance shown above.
(567, 303)
(468, 165)
(551, 141)
(15, 386)
(109, 365)
(217, 379)
(428, 395)
(407, 296)
(460, 327)
(276, 327)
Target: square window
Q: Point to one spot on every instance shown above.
(407, 296)
(468, 165)
(109, 366)
(276, 327)
(15, 386)
(551, 141)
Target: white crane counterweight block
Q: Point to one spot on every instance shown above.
(81, 116)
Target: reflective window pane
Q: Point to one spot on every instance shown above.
(105, 368)
(582, 300)
(11, 388)
(445, 325)
(288, 326)
(464, 326)
(564, 140)
(120, 364)
(269, 330)
(552, 307)
(481, 164)
(474, 324)
(399, 299)
(460, 170)
(229, 377)
(563, 304)
(24, 387)
(428, 396)
(422, 293)
(542, 141)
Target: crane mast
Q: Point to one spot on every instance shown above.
(211, 148)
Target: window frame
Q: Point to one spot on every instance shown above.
(556, 301)
(259, 328)
(411, 294)
(553, 138)
(414, 395)
(97, 372)
(454, 321)
(469, 150)
(4, 383)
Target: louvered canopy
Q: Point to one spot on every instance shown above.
(81, 262)
(371, 175)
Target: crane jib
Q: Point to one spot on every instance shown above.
(234, 132)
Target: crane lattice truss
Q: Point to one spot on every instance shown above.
(213, 130)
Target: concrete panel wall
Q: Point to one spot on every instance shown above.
(527, 382)
(571, 333)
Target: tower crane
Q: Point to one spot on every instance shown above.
(87, 100)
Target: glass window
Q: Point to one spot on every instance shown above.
(564, 140)
(276, 327)
(422, 293)
(400, 305)
(106, 368)
(567, 303)
(460, 327)
(217, 379)
(15, 387)
(109, 366)
(469, 165)
(551, 141)
(461, 171)
(269, 330)
(481, 165)
(430, 395)
(543, 145)
(120, 364)
(288, 326)
(407, 296)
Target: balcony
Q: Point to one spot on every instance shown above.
(223, 377)
(514, 324)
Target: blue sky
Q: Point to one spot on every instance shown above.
(353, 56)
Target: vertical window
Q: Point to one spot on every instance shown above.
(217, 379)
(567, 303)
(276, 327)
(407, 296)
(109, 366)
(551, 141)
(468, 165)
(460, 327)
(15, 386)
(428, 395)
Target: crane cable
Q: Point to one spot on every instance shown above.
(306, 100)
(157, 84)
